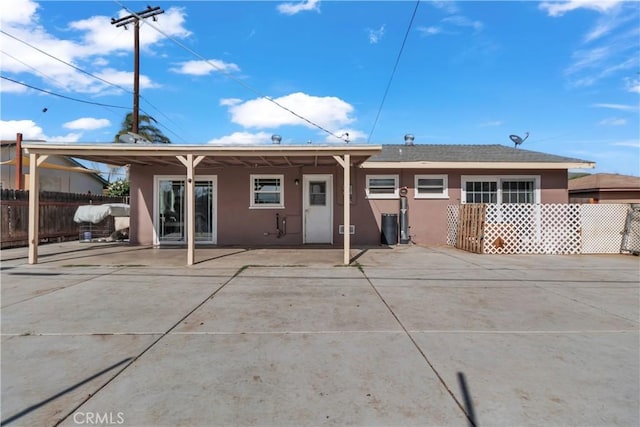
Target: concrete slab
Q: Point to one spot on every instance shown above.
(45, 377)
(111, 304)
(22, 283)
(468, 308)
(582, 379)
(620, 301)
(280, 380)
(291, 306)
(285, 343)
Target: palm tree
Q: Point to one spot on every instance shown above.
(146, 128)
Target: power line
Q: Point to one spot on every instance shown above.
(231, 77)
(90, 75)
(63, 96)
(63, 61)
(395, 67)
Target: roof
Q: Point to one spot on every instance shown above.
(465, 153)
(605, 181)
(418, 156)
(423, 156)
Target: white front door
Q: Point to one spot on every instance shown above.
(317, 195)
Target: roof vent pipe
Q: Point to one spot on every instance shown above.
(275, 139)
(408, 139)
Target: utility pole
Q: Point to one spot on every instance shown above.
(134, 18)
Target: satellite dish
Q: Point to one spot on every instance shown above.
(517, 140)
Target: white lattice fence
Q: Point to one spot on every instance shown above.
(532, 229)
(453, 212)
(548, 228)
(602, 227)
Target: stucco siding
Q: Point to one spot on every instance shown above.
(239, 224)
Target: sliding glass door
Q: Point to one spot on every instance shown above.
(171, 210)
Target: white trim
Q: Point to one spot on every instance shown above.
(396, 192)
(477, 165)
(498, 180)
(252, 204)
(442, 195)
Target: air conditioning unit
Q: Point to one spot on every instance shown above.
(352, 229)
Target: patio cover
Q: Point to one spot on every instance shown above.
(190, 156)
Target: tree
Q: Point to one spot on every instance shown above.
(118, 188)
(146, 128)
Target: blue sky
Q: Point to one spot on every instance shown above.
(470, 72)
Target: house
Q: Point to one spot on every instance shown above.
(58, 173)
(304, 194)
(605, 188)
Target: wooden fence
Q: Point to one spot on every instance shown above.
(538, 228)
(56, 215)
(470, 228)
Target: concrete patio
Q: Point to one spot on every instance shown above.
(121, 335)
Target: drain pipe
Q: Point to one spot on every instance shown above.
(404, 217)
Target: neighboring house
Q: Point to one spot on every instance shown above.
(294, 194)
(57, 173)
(605, 188)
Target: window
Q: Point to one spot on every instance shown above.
(500, 189)
(317, 193)
(518, 192)
(481, 192)
(382, 186)
(431, 187)
(267, 191)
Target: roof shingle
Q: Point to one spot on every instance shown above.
(465, 153)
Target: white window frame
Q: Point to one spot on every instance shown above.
(253, 205)
(442, 195)
(498, 179)
(396, 192)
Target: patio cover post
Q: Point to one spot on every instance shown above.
(190, 163)
(347, 209)
(34, 204)
(346, 167)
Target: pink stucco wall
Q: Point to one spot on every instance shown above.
(239, 225)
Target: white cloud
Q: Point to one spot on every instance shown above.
(559, 8)
(242, 138)
(633, 143)
(429, 31)
(375, 35)
(88, 45)
(613, 121)
(632, 85)
(619, 107)
(294, 8)
(463, 21)
(230, 101)
(7, 86)
(87, 123)
(103, 37)
(125, 79)
(19, 12)
(492, 123)
(70, 137)
(202, 68)
(28, 129)
(328, 112)
(448, 6)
